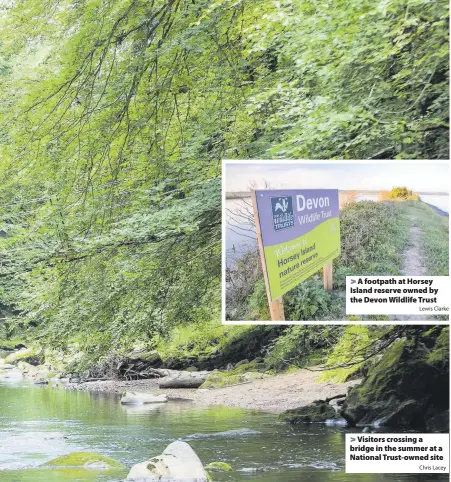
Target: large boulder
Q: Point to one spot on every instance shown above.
(317, 412)
(407, 388)
(27, 370)
(178, 462)
(135, 398)
(38, 372)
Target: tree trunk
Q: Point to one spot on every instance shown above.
(183, 380)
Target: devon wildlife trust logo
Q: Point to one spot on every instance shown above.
(282, 212)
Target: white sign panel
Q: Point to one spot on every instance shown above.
(397, 295)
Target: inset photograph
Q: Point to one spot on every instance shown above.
(294, 230)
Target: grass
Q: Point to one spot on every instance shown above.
(374, 237)
(434, 236)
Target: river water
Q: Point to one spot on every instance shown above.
(38, 424)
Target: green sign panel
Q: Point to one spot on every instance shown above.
(300, 233)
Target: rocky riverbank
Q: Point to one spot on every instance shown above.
(405, 385)
(244, 385)
(407, 388)
(273, 394)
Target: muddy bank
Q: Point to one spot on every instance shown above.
(273, 394)
(437, 210)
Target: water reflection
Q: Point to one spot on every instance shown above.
(38, 424)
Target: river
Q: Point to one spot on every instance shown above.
(38, 424)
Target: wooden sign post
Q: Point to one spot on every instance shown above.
(276, 306)
(328, 276)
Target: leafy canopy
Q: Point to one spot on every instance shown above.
(114, 117)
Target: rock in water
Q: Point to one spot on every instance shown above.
(88, 460)
(219, 467)
(407, 388)
(178, 462)
(317, 412)
(12, 375)
(41, 381)
(131, 398)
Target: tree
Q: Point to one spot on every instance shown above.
(114, 118)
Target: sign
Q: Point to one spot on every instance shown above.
(300, 233)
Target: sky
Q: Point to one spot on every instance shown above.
(426, 176)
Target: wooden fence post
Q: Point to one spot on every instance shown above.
(327, 276)
(275, 306)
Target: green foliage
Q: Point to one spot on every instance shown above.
(198, 339)
(114, 117)
(308, 301)
(434, 237)
(349, 355)
(302, 346)
(439, 356)
(368, 80)
(257, 304)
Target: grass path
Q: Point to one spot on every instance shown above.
(415, 262)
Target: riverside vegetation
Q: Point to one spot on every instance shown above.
(400, 372)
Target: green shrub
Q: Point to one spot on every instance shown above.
(257, 303)
(402, 193)
(307, 301)
(373, 236)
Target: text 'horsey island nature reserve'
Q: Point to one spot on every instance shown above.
(300, 233)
